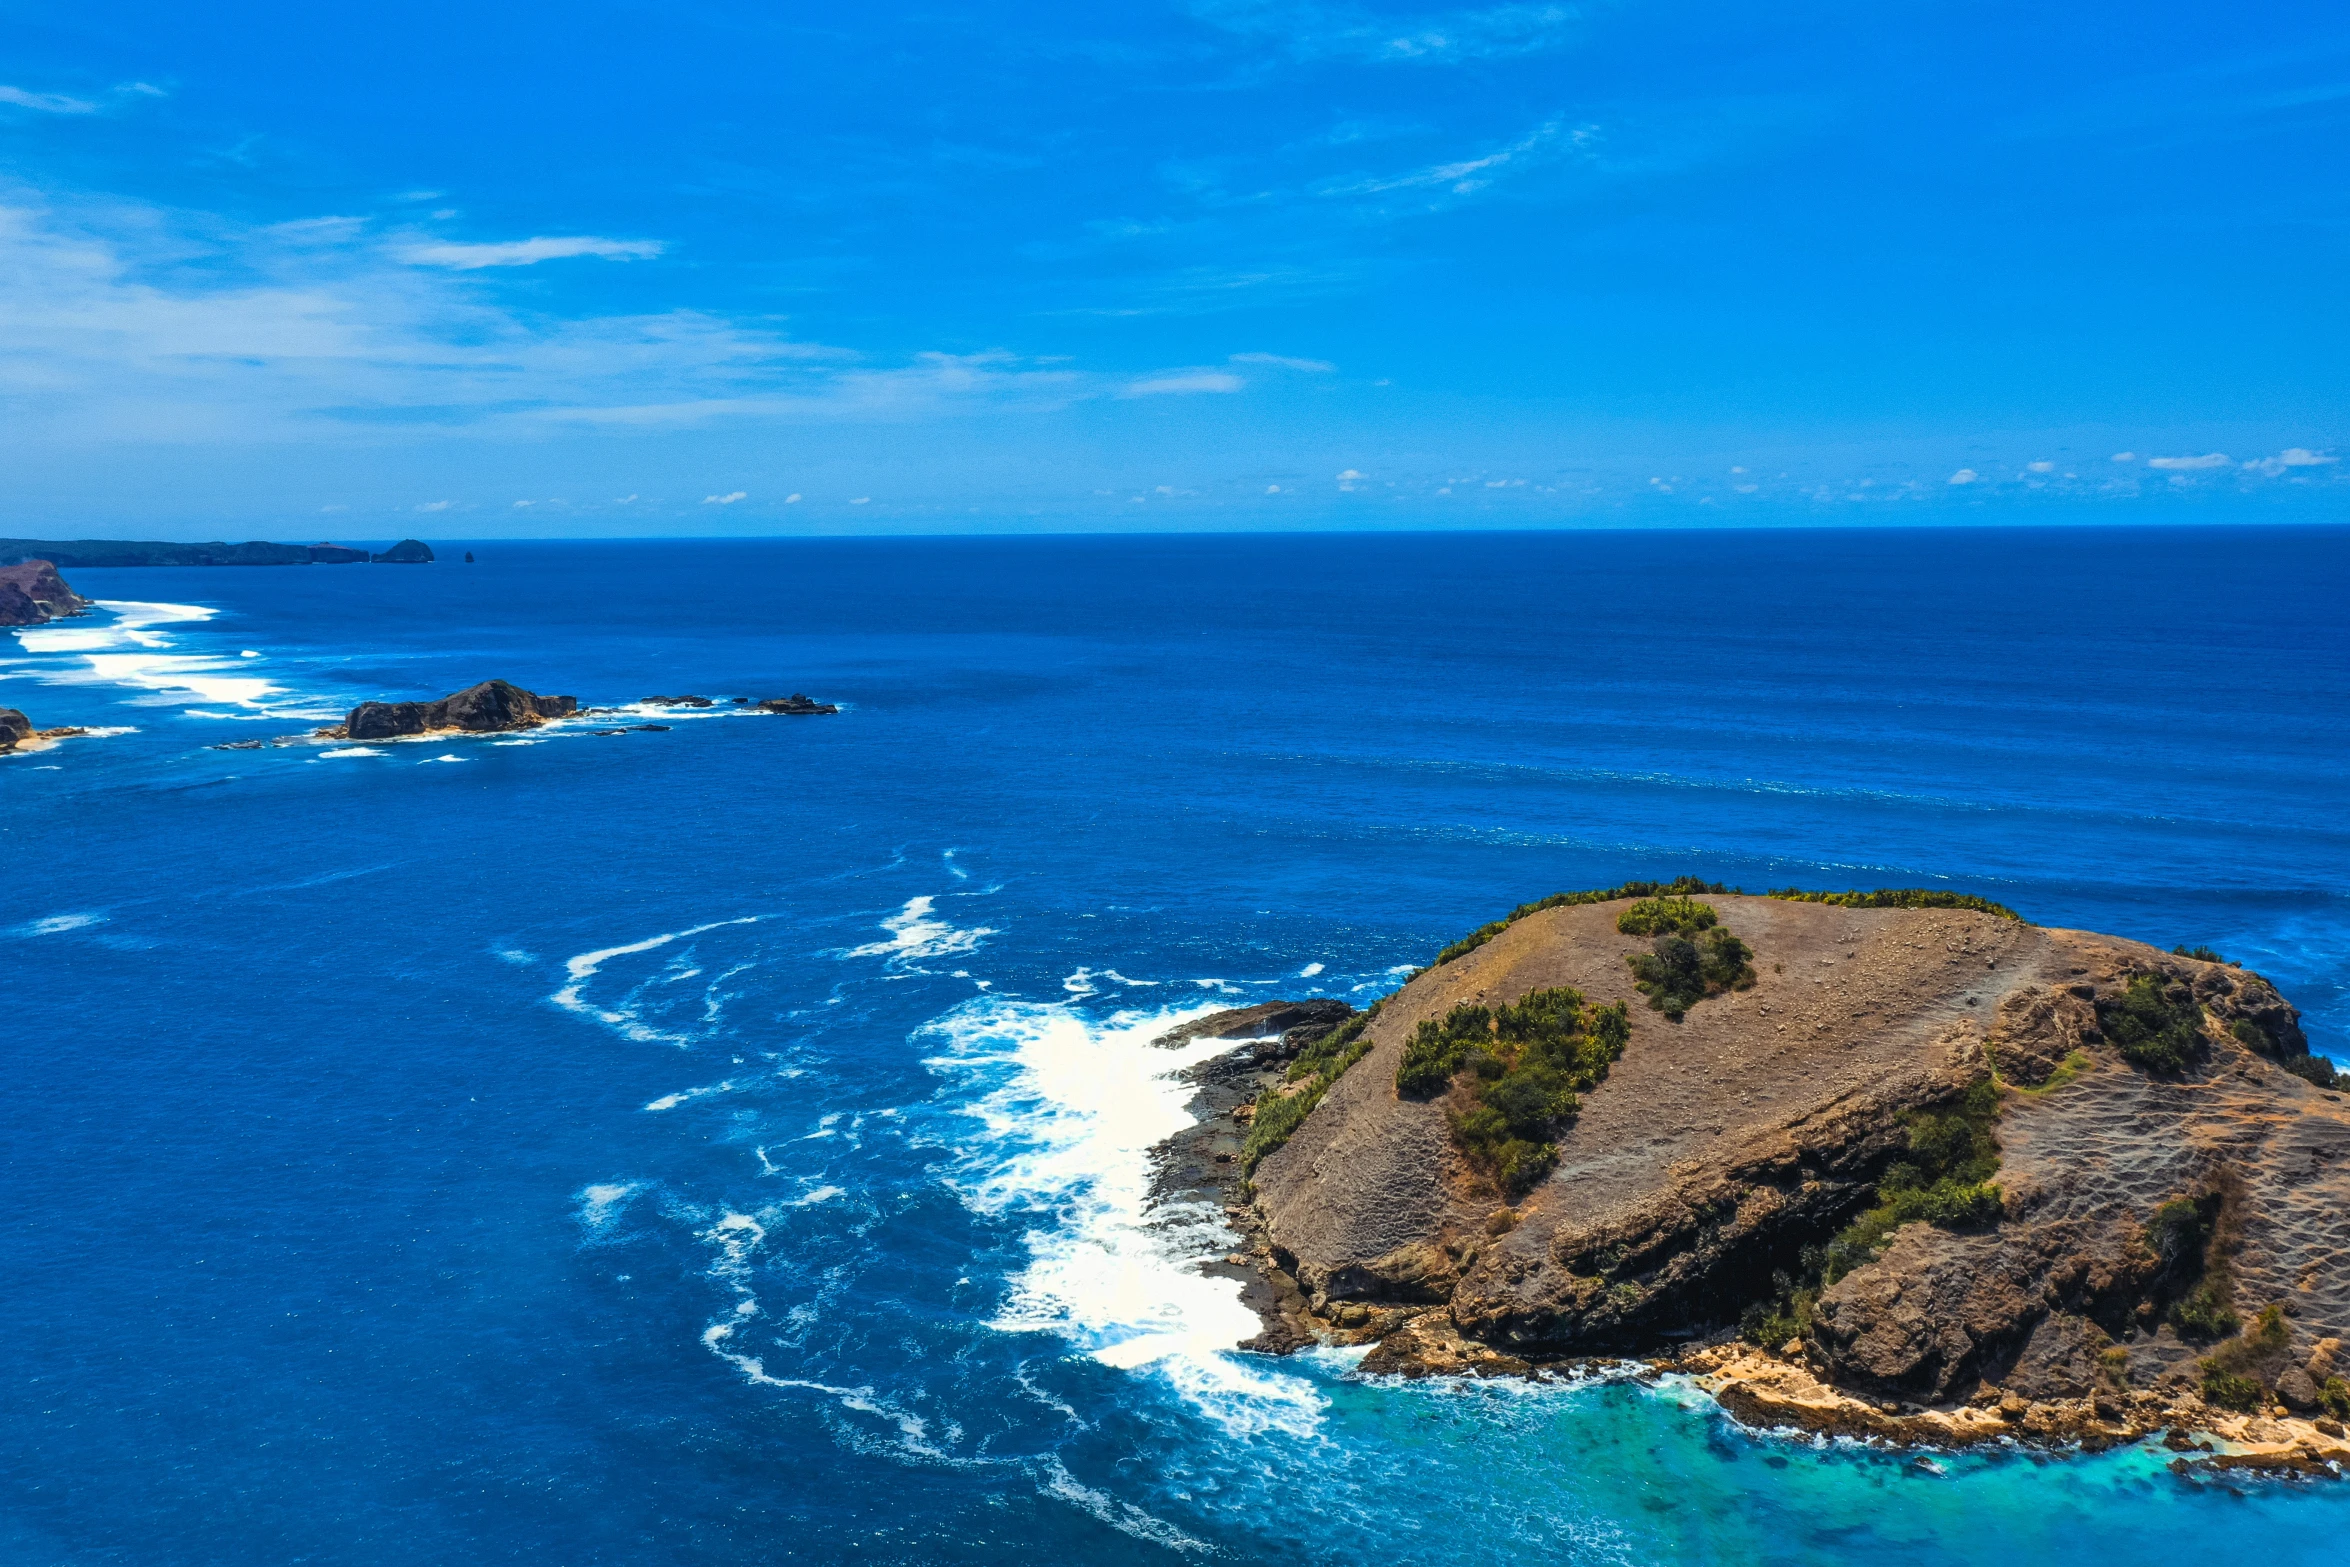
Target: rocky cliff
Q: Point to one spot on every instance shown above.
(488, 708)
(1913, 1158)
(31, 592)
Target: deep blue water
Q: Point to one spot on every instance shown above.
(726, 1145)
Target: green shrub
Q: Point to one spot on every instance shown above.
(2199, 953)
(2316, 1070)
(1681, 887)
(1679, 973)
(2230, 1391)
(2203, 1313)
(2159, 1033)
(2237, 1375)
(2334, 1398)
(1944, 1178)
(1522, 1066)
(1280, 1113)
(1900, 898)
(1681, 916)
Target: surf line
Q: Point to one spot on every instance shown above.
(583, 968)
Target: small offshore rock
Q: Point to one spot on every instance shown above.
(681, 701)
(797, 705)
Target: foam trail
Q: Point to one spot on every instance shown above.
(1068, 1112)
(584, 967)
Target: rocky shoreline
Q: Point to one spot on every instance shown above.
(18, 736)
(2046, 1325)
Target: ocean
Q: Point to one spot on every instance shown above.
(729, 1144)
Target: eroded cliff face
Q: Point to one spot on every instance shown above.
(32, 594)
(1718, 1149)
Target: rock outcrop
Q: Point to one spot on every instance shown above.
(32, 593)
(408, 552)
(797, 705)
(488, 708)
(18, 734)
(1696, 1186)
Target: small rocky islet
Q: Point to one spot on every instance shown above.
(502, 707)
(1898, 1165)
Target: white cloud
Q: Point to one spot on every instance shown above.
(1272, 489)
(2189, 464)
(793, 499)
(46, 102)
(1316, 30)
(862, 500)
(2291, 457)
(1464, 176)
(524, 252)
(2125, 456)
(725, 500)
(436, 505)
(1965, 476)
(1183, 383)
(2039, 467)
(1319, 366)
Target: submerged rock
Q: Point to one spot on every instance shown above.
(488, 708)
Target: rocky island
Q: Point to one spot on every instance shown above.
(1899, 1164)
(492, 707)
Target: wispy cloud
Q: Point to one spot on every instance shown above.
(1309, 31)
(1284, 362)
(465, 257)
(128, 321)
(1465, 176)
(46, 102)
(2189, 464)
(727, 499)
(2287, 460)
(1183, 382)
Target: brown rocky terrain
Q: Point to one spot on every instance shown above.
(492, 707)
(32, 593)
(1692, 1191)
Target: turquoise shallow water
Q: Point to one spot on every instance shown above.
(729, 1144)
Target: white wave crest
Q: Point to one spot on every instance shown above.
(1068, 1111)
(132, 649)
(916, 932)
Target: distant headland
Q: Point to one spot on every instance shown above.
(75, 554)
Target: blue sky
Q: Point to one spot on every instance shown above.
(482, 271)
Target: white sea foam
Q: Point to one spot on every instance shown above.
(354, 750)
(1067, 1112)
(601, 1205)
(133, 648)
(57, 924)
(1309, 971)
(624, 1018)
(916, 932)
